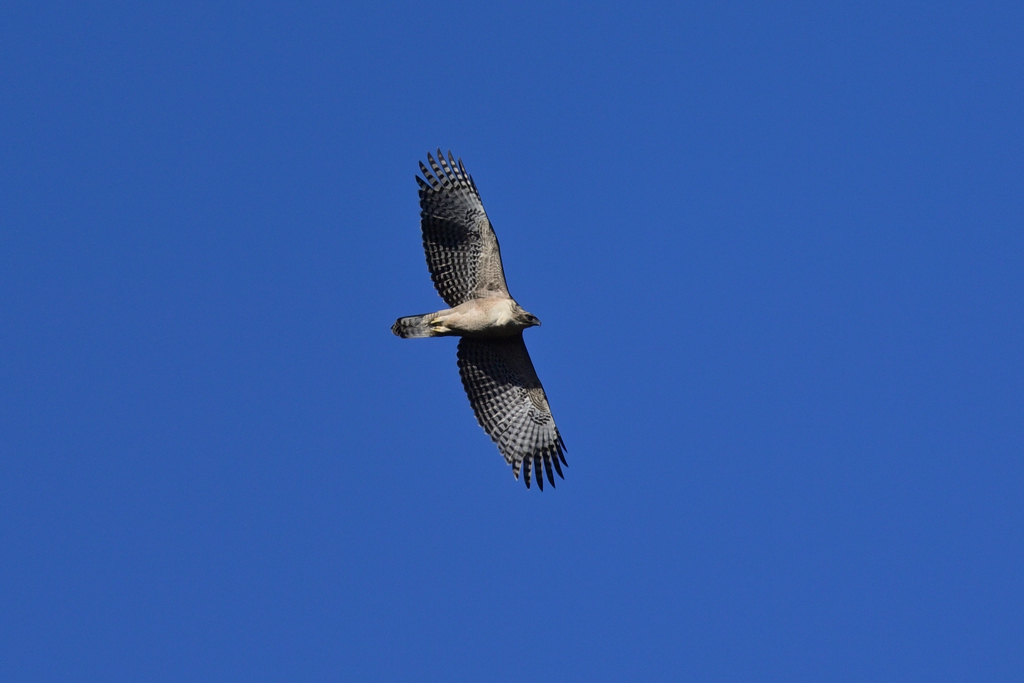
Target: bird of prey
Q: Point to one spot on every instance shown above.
(465, 265)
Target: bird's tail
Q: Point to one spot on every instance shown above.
(414, 326)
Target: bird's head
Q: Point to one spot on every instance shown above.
(530, 320)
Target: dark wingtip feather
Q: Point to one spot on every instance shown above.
(560, 446)
(466, 175)
(547, 468)
(457, 171)
(441, 177)
(428, 176)
(449, 175)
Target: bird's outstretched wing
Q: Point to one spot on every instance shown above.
(510, 404)
(462, 250)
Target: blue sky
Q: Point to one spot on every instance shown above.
(777, 250)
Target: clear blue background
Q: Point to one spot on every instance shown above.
(778, 254)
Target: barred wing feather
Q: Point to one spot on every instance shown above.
(462, 250)
(510, 404)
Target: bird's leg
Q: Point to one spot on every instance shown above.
(438, 325)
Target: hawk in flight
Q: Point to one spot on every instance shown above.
(465, 265)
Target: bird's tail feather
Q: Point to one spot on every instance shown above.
(414, 326)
